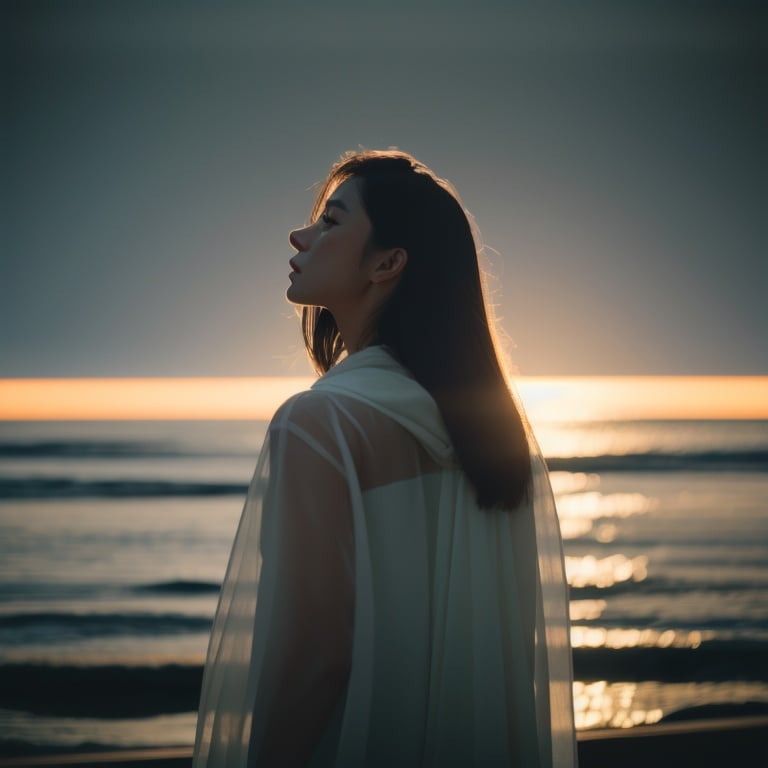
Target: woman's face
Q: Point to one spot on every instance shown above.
(328, 270)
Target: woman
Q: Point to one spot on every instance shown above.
(395, 594)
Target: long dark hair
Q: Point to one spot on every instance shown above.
(435, 321)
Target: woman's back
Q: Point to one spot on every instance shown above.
(439, 614)
(424, 602)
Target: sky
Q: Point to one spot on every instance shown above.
(155, 156)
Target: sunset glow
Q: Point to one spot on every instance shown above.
(151, 399)
(545, 399)
(583, 398)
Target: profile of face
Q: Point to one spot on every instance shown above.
(335, 266)
(329, 269)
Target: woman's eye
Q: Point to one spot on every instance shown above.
(327, 220)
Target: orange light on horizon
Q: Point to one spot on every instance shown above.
(145, 399)
(586, 398)
(545, 398)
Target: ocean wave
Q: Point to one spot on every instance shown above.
(111, 691)
(179, 587)
(663, 587)
(693, 461)
(103, 449)
(54, 626)
(87, 449)
(69, 488)
(63, 487)
(116, 691)
(753, 628)
(712, 661)
(48, 591)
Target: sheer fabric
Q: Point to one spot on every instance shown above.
(371, 614)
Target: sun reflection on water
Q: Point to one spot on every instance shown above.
(601, 704)
(573, 482)
(590, 571)
(593, 505)
(614, 637)
(580, 506)
(586, 610)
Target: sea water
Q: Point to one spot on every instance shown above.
(114, 538)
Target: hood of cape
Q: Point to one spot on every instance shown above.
(373, 376)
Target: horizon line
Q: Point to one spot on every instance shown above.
(545, 398)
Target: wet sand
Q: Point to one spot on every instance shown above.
(740, 742)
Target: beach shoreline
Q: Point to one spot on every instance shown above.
(703, 743)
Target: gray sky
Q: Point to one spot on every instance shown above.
(155, 155)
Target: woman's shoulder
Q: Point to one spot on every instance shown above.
(303, 409)
(332, 416)
(331, 426)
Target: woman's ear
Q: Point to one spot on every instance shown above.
(387, 265)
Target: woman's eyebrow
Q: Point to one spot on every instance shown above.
(336, 203)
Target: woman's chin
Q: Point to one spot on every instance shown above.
(295, 297)
(291, 295)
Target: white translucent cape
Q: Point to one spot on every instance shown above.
(371, 614)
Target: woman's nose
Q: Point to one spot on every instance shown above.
(299, 239)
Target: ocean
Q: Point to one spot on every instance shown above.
(114, 538)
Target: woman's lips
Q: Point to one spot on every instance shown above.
(293, 266)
